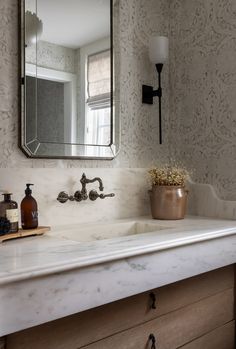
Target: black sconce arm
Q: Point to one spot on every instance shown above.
(157, 93)
(148, 93)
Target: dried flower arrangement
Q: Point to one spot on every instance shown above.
(168, 175)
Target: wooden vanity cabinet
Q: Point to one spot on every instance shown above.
(191, 314)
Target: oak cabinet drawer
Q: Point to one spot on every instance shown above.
(220, 338)
(177, 328)
(90, 326)
(185, 292)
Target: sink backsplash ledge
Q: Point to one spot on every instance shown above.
(129, 185)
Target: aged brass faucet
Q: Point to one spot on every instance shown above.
(82, 194)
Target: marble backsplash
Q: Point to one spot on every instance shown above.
(203, 201)
(129, 185)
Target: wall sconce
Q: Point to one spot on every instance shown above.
(158, 54)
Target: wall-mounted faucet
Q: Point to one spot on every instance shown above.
(82, 194)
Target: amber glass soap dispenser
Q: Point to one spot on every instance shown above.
(29, 210)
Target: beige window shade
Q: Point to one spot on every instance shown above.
(99, 80)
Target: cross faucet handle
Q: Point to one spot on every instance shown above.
(63, 197)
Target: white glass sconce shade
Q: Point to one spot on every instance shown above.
(33, 28)
(158, 49)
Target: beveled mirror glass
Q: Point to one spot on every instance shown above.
(68, 104)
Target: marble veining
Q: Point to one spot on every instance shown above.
(204, 201)
(129, 185)
(45, 278)
(56, 252)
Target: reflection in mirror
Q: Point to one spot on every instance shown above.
(68, 79)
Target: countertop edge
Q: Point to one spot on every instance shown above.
(110, 257)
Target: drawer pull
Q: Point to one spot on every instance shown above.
(153, 300)
(153, 340)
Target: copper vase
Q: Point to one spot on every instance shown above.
(168, 202)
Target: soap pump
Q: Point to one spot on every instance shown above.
(29, 210)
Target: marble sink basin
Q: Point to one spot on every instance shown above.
(100, 231)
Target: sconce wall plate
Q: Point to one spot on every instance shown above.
(147, 94)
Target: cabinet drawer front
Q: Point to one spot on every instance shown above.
(175, 329)
(185, 292)
(2, 343)
(92, 325)
(221, 338)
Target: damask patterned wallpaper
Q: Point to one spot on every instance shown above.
(201, 127)
(52, 56)
(203, 90)
(139, 135)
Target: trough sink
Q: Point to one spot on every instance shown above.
(100, 231)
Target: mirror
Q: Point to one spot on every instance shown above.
(68, 108)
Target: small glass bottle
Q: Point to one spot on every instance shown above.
(9, 210)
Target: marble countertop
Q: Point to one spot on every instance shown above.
(37, 256)
(49, 277)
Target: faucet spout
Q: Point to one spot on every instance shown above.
(101, 187)
(84, 180)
